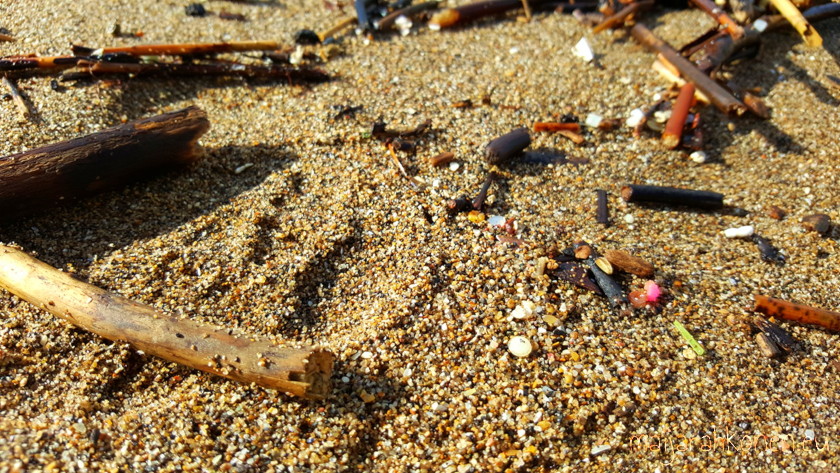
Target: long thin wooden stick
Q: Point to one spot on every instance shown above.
(43, 177)
(716, 12)
(797, 312)
(719, 96)
(299, 370)
(181, 48)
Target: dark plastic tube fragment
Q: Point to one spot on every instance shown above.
(672, 195)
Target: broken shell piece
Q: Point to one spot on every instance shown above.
(604, 265)
(740, 232)
(583, 50)
(520, 346)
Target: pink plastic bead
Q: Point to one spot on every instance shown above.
(653, 291)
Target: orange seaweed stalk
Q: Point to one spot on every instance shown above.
(797, 312)
(672, 135)
(554, 126)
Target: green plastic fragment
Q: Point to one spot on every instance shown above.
(690, 339)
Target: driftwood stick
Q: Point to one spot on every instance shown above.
(6, 37)
(719, 96)
(298, 370)
(43, 177)
(17, 97)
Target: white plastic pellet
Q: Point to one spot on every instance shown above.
(583, 50)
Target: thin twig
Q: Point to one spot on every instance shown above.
(20, 101)
(719, 96)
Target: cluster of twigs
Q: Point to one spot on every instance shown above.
(189, 59)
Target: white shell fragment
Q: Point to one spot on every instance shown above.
(635, 118)
(599, 449)
(520, 346)
(496, 220)
(403, 24)
(593, 120)
(739, 232)
(698, 157)
(759, 25)
(583, 50)
(524, 310)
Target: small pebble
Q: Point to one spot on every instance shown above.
(195, 9)
(776, 212)
(739, 232)
(820, 223)
(520, 346)
(629, 218)
(698, 157)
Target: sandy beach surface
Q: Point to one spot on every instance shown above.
(297, 225)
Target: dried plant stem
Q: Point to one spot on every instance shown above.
(672, 135)
(19, 100)
(8, 38)
(618, 18)
(797, 312)
(329, 33)
(186, 48)
(721, 17)
(719, 96)
(798, 21)
(298, 370)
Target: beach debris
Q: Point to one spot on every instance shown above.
(652, 291)
(692, 342)
(605, 265)
(583, 50)
(698, 157)
(745, 231)
(442, 159)
(672, 196)
(507, 146)
(800, 313)
(306, 37)
(18, 99)
(776, 336)
(618, 18)
(775, 212)
(6, 37)
(481, 198)
(414, 180)
(44, 177)
(465, 204)
(555, 126)
(602, 214)
(520, 346)
(401, 17)
(524, 310)
(582, 249)
(766, 346)
(769, 253)
(798, 21)
(820, 223)
(186, 59)
(195, 9)
(613, 291)
(718, 95)
(628, 263)
(294, 368)
(672, 136)
(577, 275)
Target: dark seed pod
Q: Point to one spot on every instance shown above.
(507, 146)
(195, 9)
(820, 223)
(307, 37)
